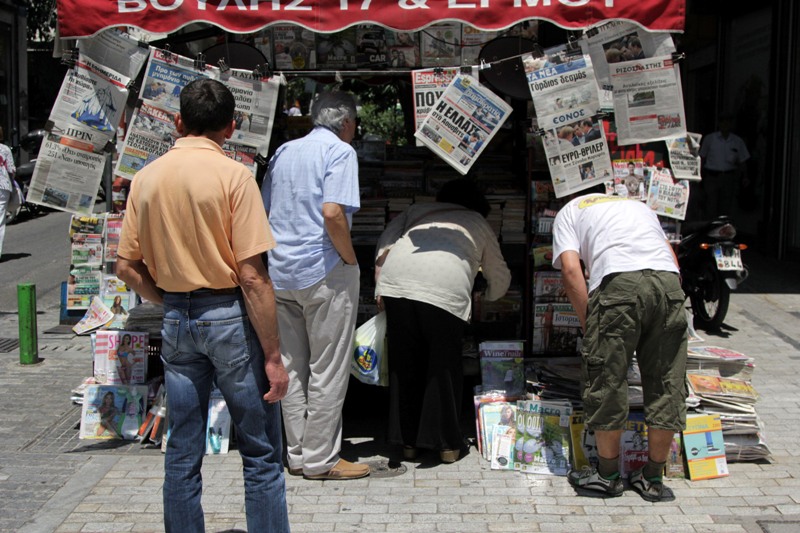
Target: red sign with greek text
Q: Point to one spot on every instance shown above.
(83, 18)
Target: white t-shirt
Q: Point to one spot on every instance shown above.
(611, 234)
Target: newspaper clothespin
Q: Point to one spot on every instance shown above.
(109, 147)
(338, 77)
(223, 66)
(70, 58)
(677, 57)
(257, 72)
(200, 62)
(132, 87)
(466, 69)
(539, 132)
(267, 69)
(438, 71)
(591, 32)
(260, 159)
(169, 55)
(143, 44)
(484, 65)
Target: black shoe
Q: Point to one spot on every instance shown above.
(589, 478)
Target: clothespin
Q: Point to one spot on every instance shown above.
(257, 72)
(109, 147)
(223, 67)
(169, 56)
(438, 71)
(70, 58)
(267, 69)
(484, 65)
(143, 44)
(49, 125)
(200, 62)
(677, 57)
(466, 69)
(132, 87)
(260, 159)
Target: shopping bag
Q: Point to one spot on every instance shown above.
(369, 363)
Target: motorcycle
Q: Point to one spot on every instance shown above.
(30, 142)
(711, 266)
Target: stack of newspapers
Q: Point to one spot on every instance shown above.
(719, 383)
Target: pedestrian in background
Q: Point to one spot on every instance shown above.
(426, 263)
(7, 171)
(310, 193)
(192, 238)
(633, 304)
(724, 155)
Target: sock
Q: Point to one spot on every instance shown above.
(653, 471)
(608, 468)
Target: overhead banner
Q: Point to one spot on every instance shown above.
(84, 18)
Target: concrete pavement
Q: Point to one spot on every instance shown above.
(52, 482)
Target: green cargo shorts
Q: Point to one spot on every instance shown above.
(639, 313)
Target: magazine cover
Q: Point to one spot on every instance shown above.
(336, 50)
(556, 328)
(492, 414)
(704, 447)
(218, 430)
(82, 286)
(113, 411)
(584, 445)
(502, 367)
(126, 358)
(503, 439)
(441, 45)
(549, 287)
(294, 47)
(372, 48)
(633, 452)
(543, 437)
(403, 49)
(472, 41)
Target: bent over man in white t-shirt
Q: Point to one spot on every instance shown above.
(633, 304)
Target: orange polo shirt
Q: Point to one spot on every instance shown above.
(192, 214)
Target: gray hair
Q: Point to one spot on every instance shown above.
(329, 109)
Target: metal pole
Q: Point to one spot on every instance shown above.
(28, 334)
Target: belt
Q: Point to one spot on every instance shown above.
(207, 292)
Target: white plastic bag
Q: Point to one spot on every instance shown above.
(369, 364)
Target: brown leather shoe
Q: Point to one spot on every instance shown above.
(449, 456)
(342, 470)
(294, 471)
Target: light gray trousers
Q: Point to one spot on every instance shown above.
(316, 327)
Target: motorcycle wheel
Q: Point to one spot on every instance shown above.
(710, 304)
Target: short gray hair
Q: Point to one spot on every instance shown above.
(329, 109)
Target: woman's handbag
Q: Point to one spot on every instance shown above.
(369, 363)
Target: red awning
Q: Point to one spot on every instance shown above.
(83, 18)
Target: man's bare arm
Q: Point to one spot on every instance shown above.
(575, 284)
(137, 277)
(339, 231)
(259, 299)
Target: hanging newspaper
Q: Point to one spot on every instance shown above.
(152, 129)
(631, 179)
(167, 74)
(90, 103)
(648, 104)
(150, 134)
(67, 176)
(684, 156)
(428, 86)
(565, 97)
(618, 41)
(116, 50)
(668, 197)
(256, 102)
(462, 122)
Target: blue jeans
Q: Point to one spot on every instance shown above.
(208, 338)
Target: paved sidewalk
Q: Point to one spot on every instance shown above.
(50, 481)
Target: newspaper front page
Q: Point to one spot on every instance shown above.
(90, 103)
(648, 102)
(618, 41)
(166, 76)
(462, 122)
(565, 97)
(666, 196)
(684, 156)
(256, 102)
(116, 50)
(150, 134)
(67, 176)
(427, 87)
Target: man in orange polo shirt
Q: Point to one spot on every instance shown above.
(192, 238)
